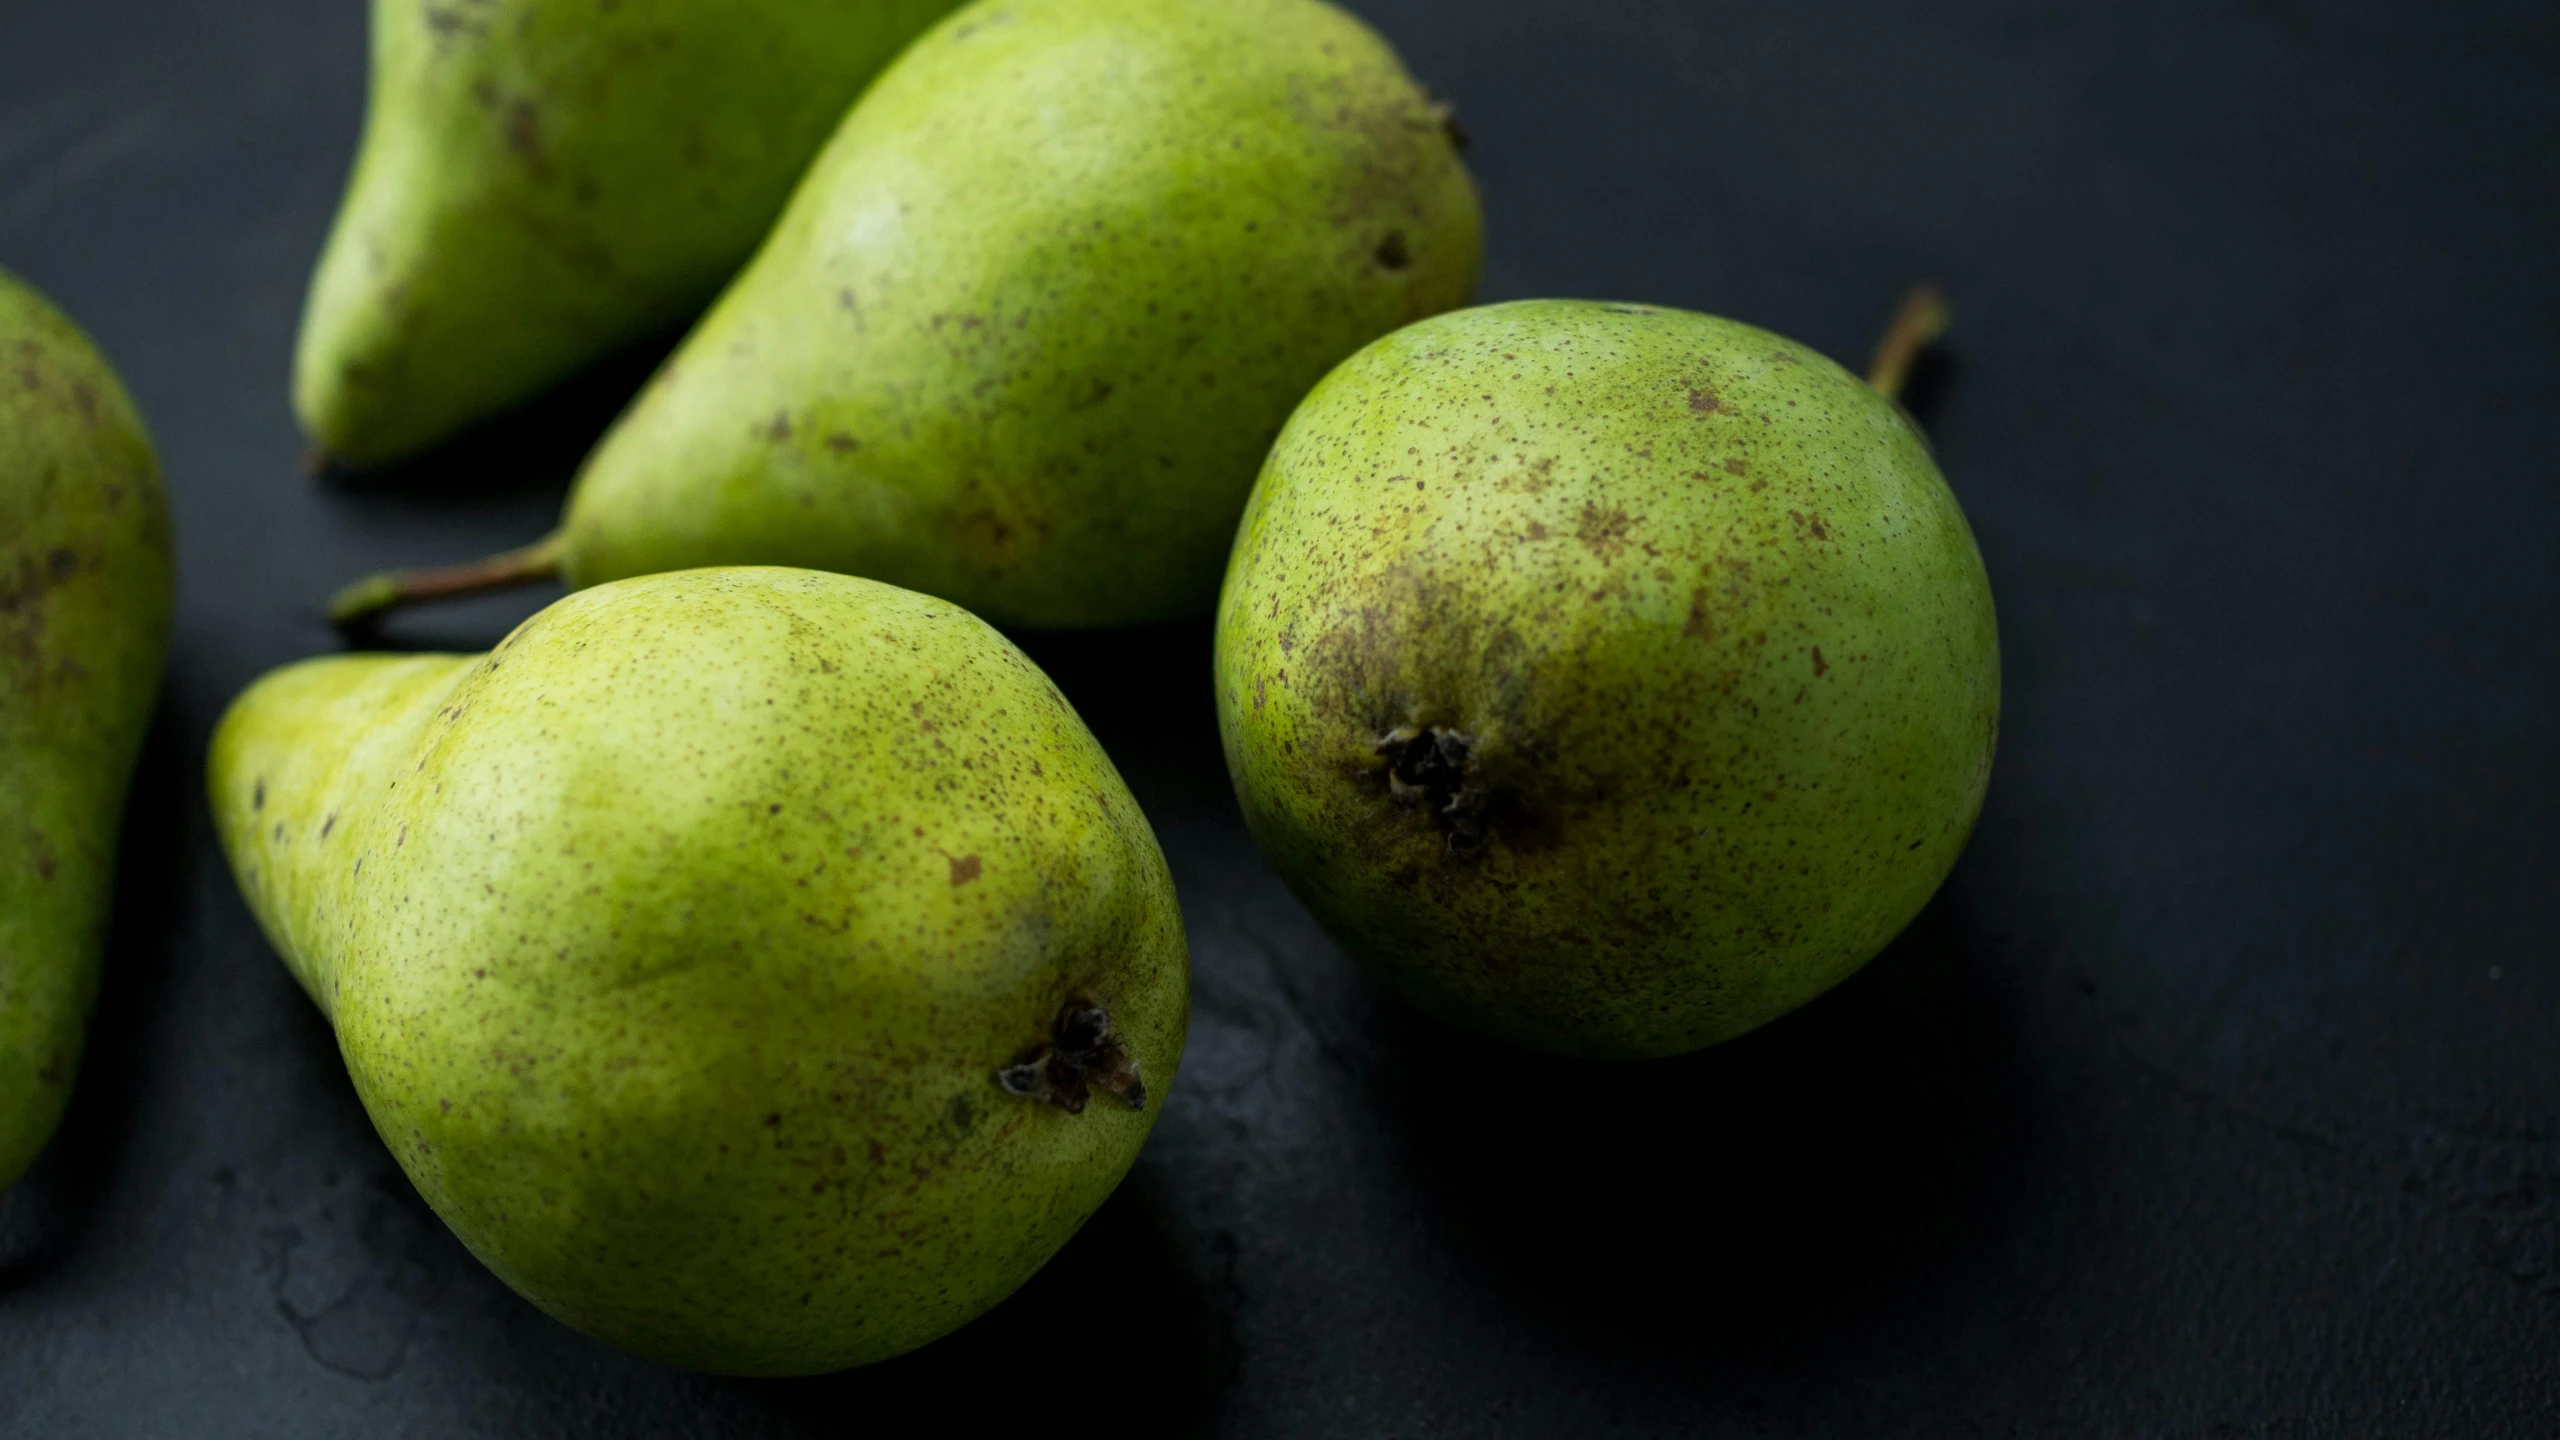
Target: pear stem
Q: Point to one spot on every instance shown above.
(375, 596)
(1918, 324)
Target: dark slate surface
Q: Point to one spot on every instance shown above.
(2219, 1092)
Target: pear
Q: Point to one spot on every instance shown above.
(761, 970)
(85, 593)
(1034, 316)
(1610, 679)
(544, 181)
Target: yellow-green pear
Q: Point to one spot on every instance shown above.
(544, 181)
(1608, 678)
(85, 593)
(1027, 328)
(729, 956)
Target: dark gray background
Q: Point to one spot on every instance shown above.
(2218, 1093)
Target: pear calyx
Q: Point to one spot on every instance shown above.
(1083, 1054)
(1427, 767)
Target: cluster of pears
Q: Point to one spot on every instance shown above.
(762, 968)
(1024, 331)
(758, 967)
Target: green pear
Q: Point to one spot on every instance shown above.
(1607, 678)
(544, 181)
(85, 592)
(1034, 316)
(728, 957)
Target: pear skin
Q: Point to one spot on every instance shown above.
(1029, 324)
(86, 583)
(1610, 679)
(542, 182)
(761, 970)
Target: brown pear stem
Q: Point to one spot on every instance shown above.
(375, 596)
(1917, 325)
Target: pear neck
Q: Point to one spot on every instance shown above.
(305, 772)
